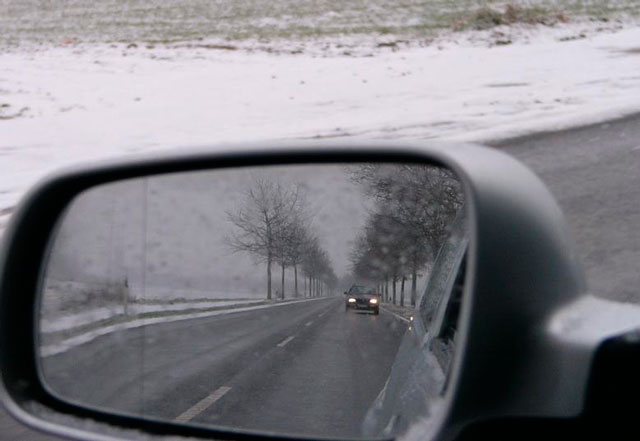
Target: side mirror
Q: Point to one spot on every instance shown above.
(346, 293)
(125, 286)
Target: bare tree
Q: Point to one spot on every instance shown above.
(265, 213)
(414, 207)
(298, 244)
(292, 238)
(316, 265)
(381, 252)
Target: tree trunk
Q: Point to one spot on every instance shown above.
(414, 278)
(305, 286)
(402, 291)
(295, 277)
(386, 289)
(282, 292)
(125, 297)
(395, 280)
(269, 278)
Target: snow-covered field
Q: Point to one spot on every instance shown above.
(158, 21)
(80, 102)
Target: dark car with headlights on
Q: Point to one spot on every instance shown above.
(362, 298)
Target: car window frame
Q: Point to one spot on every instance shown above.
(438, 323)
(459, 227)
(436, 335)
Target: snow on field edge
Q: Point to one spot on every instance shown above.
(62, 346)
(57, 323)
(87, 102)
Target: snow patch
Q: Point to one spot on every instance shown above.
(64, 322)
(66, 344)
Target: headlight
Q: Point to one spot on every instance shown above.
(373, 301)
(352, 300)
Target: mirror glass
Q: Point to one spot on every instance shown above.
(315, 300)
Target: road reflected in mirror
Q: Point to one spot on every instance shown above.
(290, 299)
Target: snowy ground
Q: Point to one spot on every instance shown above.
(43, 22)
(59, 323)
(68, 104)
(60, 345)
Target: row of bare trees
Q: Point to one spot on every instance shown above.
(413, 208)
(273, 225)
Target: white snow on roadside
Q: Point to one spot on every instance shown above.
(87, 102)
(59, 323)
(398, 316)
(57, 348)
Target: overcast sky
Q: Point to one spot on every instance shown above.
(181, 221)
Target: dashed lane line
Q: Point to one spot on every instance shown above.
(283, 343)
(202, 405)
(309, 323)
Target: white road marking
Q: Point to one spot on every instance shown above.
(285, 341)
(398, 316)
(309, 323)
(202, 405)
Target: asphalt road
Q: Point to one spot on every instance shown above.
(307, 367)
(594, 172)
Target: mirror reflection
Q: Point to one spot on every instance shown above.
(317, 300)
